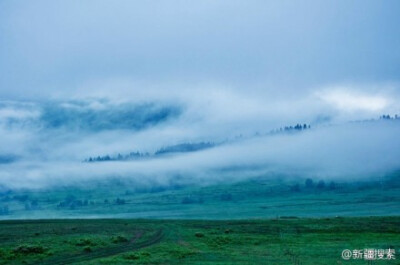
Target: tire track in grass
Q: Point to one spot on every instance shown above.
(106, 252)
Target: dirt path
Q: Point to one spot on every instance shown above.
(106, 252)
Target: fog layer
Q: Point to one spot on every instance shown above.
(84, 79)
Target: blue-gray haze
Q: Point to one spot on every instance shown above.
(91, 78)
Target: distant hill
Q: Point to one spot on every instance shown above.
(194, 147)
(179, 148)
(185, 147)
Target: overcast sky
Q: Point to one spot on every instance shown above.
(74, 73)
(52, 46)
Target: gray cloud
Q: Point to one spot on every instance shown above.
(48, 47)
(50, 155)
(356, 151)
(91, 78)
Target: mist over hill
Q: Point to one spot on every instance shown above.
(46, 142)
(199, 86)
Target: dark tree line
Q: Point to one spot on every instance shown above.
(185, 147)
(388, 117)
(180, 148)
(288, 129)
(297, 127)
(309, 184)
(119, 157)
(71, 202)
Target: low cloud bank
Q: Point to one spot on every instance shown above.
(44, 142)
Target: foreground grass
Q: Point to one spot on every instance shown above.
(272, 241)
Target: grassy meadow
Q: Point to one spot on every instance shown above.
(255, 198)
(259, 221)
(135, 241)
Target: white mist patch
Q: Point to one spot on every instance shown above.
(359, 150)
(50, 148)
(347, 100)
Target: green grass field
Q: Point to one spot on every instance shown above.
(133, 241)
(258, 221)
(255, 198)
